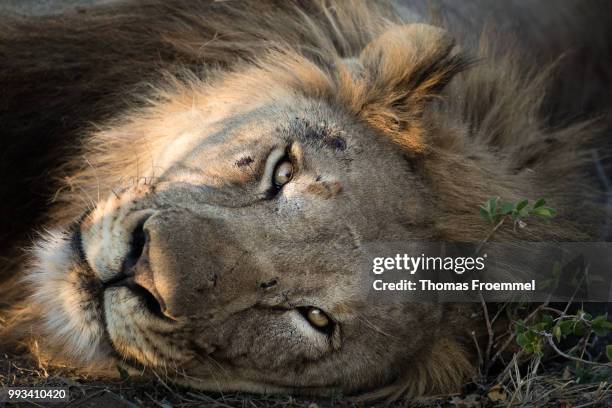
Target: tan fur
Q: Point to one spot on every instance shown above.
(396, 134)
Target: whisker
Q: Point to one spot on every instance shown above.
(95, 174)
(376, 328)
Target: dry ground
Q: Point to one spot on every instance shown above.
(547, 387)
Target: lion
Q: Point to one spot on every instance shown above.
(202, 179)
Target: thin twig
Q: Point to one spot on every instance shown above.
(551, 342)
(485, 309)
(513, 335)
(490, 234)
(490, 333)
(480, 360)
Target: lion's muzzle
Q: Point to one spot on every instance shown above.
(136, 273)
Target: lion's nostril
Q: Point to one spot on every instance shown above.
(137, 274)
(137, 244)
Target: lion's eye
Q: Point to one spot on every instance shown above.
(317, 318)
(283, 173)
(279, 170)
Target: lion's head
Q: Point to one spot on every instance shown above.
(230, 214)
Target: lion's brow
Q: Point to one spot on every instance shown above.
(321, 132)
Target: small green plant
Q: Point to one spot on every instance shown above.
(531, 338)
(496, 211)
(542, 329)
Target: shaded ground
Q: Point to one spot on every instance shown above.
(553, 388)
(123, 393)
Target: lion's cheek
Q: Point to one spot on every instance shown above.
(135, 333)
(71, 317)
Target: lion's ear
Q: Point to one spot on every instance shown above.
(399, 72)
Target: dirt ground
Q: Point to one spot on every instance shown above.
(86, 392)
(551, 387)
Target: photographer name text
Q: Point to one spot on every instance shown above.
(459, 265)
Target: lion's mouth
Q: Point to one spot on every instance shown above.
(97, 290)
(88, 276)
(151, 300)
(135, 273)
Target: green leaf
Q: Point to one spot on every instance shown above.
(493, 205)
(522, 204)
(600, 331)
(599, 319)
(601, 326)
(537, 347)
(521, 340)
(548, 321)
(579, 329)
(530, 341)
(523, 213)
(506, 208)
(567, 327)
(520, 327)
(531, 335)
(539, 203)
(545, 212)
(557, 333)
(486, 206)
(609, 351)
(484, 213)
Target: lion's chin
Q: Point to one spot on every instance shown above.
(65, 292)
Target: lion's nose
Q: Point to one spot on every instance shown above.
(136, 273)
(138, 241)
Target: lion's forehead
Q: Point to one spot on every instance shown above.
(225, 150)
